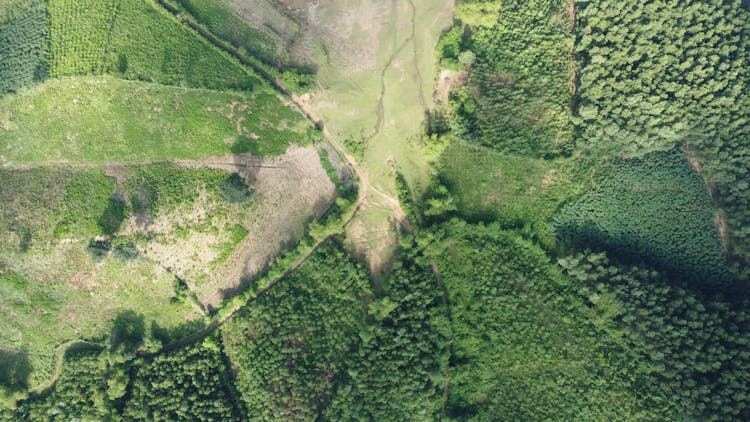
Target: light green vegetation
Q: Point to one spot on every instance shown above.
(227, 23)
(56, 295)
(655, 210)
(23, 44)
(100, 119)
(518, 192)
(139, 40)
(375, 79)
(79, 246)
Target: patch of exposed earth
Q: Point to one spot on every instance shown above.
(289, 191)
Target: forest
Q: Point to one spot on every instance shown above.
(577, 250)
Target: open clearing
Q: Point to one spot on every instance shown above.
(375, 81)
(100, 119)
(290, 191)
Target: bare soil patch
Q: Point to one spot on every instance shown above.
(290, 190)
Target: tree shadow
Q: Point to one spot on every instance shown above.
(128, 332)
(15, 369)
(112, 217)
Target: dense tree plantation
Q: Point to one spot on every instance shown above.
(695, 345)
(289, 346)
(578, 253)
(654, 210)
(23, 44)
(668, 73)
(188, 384)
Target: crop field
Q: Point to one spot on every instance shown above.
(79, 35)
(137, 40)
(258, 27)
(100, 119)
(23, 44)
(656, 210)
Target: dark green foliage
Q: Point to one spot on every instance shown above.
(343, 189)
(234, 190)
(23, 45)
(436, 122)
(189, 384)
(128, 333)
(655, 210)
(290, 344)
(518, 97)
(78, 394)
(697, 347)
(523, 347)
(394, 373)
(665, 73)
(406, 199)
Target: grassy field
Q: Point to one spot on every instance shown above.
(375, 79)
(518, 192)
(79, 246)
(55, 295)
(100, 119)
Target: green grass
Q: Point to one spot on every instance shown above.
(45, 204)
(57, 283)
(514, 191)
(58, 295)
(100, 119)
(656, 210)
